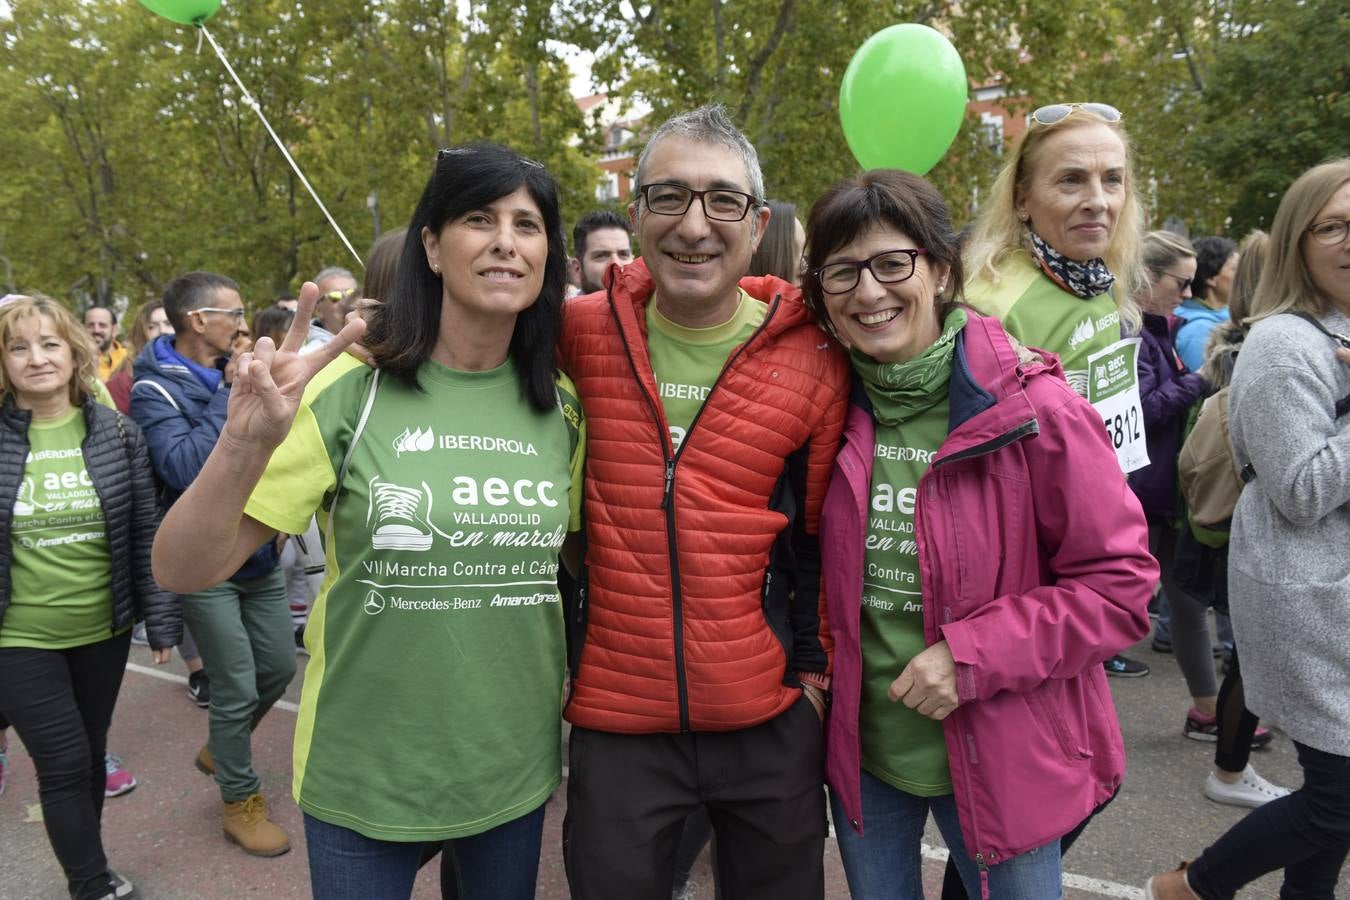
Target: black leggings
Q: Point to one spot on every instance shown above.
(1306, 833)
(1237, 724)
(61, 703)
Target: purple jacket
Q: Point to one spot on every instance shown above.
(1166, 391)
(1035, 567)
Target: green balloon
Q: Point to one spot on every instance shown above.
(903, 99)
(184, 12)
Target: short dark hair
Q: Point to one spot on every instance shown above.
(112, 312)
(407, 324)
(191, 291)
(273, 322)
(776, 254)
(595, 221)
(382, 265)
(1210, 255)
(890, 198)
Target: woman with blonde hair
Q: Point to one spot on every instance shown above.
(74, 573)
(1288, 574)
(1054, 256)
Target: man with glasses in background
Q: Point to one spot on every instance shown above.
(337, 291)
(243, 625)
(699, 655)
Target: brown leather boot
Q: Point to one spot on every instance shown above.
(204, 762)
(1170, 886)
(247, 824)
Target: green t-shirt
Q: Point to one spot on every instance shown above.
(1041, 314)
(901, 747)
(61, 593)
(687, 361)
(432, 700)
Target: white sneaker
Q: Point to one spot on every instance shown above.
(1250, 791)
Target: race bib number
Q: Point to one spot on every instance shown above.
(1113, 389)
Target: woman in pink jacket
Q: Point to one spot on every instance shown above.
(982, 554)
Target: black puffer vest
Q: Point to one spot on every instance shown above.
(119, 465)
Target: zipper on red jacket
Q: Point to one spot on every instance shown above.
(668, 495)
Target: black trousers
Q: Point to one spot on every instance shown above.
(60, 703)
(1306, 833)
(628, 797)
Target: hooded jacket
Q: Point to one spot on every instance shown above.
(1167, 390)
(118, 465)
(1034, 564)
(699, 606)
(1198, 321)
(182, 421)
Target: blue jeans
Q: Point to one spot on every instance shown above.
(502, 862)
(886, 865)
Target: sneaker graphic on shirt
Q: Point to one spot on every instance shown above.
(400, 516)
(24, 504)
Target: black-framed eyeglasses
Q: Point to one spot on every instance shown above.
(1057, 112)
(1329, 232)
(1182, 283)
(887, 267)
(237, 312)
(469, 151)
(719, 204)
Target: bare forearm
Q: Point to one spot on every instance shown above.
(205, 536)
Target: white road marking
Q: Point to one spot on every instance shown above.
(170, 676)
(937, 854)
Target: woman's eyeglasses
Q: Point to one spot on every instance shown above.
(1329, 232)
(1057, 112)
(1183, 284)
(889, 267)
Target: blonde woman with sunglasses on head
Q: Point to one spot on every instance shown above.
(1054, 256)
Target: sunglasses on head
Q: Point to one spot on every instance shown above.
(1057, 112)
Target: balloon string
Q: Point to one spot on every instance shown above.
(254, 105)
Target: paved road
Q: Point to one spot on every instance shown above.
(165, 835)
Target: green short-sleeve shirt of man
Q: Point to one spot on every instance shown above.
(687, 361)
(61, 589)
(901, 747)
(1040, 313)
(432, 699)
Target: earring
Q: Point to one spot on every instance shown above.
(436, 268)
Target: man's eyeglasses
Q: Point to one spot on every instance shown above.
(1329, 232)
(1057, 112)
(237, 312)
(340, 296)
(889, 267)
(719, 204)
(1182, 283)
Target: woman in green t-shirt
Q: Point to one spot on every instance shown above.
(445, 479)
(1054, 254)
(74, 573)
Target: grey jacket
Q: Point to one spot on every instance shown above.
(1289, 558)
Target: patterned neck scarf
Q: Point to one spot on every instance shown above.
(1085, 280)
(900, 391)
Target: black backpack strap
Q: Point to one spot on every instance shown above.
(1343, 404)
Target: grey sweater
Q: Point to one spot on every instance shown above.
(1289, 558)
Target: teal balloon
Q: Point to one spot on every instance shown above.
(184, 12)
(903, 99)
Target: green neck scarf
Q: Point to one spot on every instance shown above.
(900, 391)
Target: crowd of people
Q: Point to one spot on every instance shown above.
(847, 519)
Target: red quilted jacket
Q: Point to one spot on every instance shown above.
(700, 605)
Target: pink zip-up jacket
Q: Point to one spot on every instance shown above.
(1033, 555)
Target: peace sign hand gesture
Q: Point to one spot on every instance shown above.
(270, 381)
